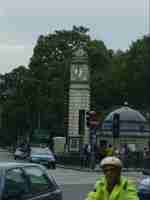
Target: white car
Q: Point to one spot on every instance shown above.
(43, 156)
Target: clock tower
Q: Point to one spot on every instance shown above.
(79, 97)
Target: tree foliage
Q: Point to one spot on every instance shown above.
(37, 96)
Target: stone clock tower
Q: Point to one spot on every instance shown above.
(79, 97)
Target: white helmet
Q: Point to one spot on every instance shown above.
(111, 160)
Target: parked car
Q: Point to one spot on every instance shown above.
(43, 156)
(20, 154)
(27, 181)
(144, 186)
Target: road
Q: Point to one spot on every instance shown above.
(74, 184)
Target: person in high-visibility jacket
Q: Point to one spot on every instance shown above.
(113, 186)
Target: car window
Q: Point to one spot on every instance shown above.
(15, 183)
(39, 182)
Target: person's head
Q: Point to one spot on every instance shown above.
(111, 167)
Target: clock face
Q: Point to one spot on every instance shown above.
(79, 72)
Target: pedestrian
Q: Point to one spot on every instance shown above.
(113, 186)
(109, 150)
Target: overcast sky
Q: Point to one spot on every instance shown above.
(116, 22)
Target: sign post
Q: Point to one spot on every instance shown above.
(115, 129)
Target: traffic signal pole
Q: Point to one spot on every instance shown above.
(92, 124)
(92, 143)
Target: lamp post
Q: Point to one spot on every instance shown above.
(148, 15)
(1, 83)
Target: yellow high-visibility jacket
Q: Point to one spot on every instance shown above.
(123, 191)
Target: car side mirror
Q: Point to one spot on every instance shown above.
(146, 171)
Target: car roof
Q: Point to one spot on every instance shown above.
(9, 165)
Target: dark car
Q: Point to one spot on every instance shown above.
(144, 186)
(25, 181)
(43, 156)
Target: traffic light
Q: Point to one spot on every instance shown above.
(91, 119)
(116, 125)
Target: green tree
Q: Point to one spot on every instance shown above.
(138, 69)
(100, 65)
(15, 109)
(50, 66)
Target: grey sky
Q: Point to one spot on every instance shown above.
(116, 22)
